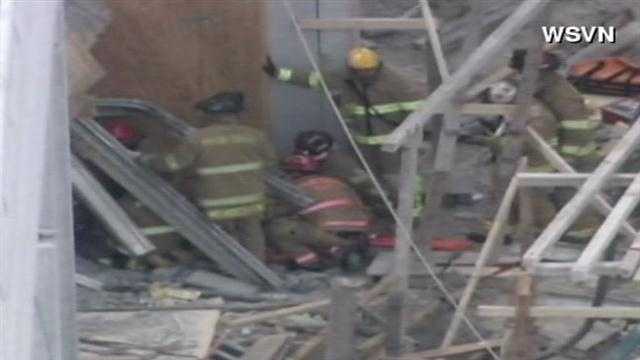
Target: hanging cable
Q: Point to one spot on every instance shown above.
(405, 232)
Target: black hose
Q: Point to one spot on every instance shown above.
(602, 288)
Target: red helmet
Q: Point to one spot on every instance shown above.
(124, 133)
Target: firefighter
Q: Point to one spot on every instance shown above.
(228, 174)
(560, 115)
(375, 98)
(227, 178)
(372, 97)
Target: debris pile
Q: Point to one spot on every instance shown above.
(435, 218)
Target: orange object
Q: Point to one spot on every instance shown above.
(612, 76)
(451, 245)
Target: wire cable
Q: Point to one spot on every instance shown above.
(405, 232)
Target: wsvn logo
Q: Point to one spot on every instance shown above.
(576, 34)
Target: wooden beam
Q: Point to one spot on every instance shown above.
(569, 179)
(274, 314)
(521, 344)
(585, 195)
(342, 319)
(493, 238)
(609, 268)
(568, 312)
(453, 350)
(480, 109)
(601, 240)
(362, 24)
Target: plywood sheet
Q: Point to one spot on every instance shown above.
(176, 52)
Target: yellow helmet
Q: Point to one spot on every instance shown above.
(363, 58)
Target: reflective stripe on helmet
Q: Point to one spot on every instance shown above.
(232, 200)
(228, 169)
(329, 204)
(158, 230)
(236, 212)
(285, 74)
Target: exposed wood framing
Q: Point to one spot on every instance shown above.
(591, 188)
(453, 350)
(274, 314)
(599, 202)
(520, 345)
(363, 24)
(568, 312)
(602, 239)
(568, 179)
(483, 55)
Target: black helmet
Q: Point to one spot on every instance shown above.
(313, 142)
(223, 102)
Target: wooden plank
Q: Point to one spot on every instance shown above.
(585, 195)
(274, 314)
(453, 350)
(404, 229)
(568, 312)
(342, 320)
(143, 51)
(481, 109)
(493, 238)
(569, 179)
(406, 202)
(609, 268)
(602, 239)
(268, 347)
(434, 40)
(481, 57)
(363, 24)
(521, 345)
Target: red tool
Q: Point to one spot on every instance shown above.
(383, 241)
(452, 245)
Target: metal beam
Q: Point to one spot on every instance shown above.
(93, 143)
(108, 211)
